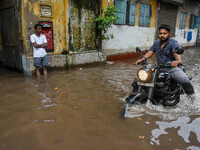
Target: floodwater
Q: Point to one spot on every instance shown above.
(83, 109)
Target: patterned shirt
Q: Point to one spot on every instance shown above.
(166, 53)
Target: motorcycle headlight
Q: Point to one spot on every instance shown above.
(144, 75)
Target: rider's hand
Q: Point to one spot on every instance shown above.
(175, 63)
(138, 61)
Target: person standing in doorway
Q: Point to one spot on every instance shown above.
(40, 57)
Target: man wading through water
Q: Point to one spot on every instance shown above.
(164, 48)
(40, 57)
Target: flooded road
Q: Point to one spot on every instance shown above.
(83, 109)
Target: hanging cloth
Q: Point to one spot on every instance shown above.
(189, 36)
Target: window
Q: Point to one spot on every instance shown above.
(145, 14)
(126, 12)
(182, 21)
(196, 22)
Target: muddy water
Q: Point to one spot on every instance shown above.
(83, 109)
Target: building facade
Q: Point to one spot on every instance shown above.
(68, 25)
(140, 19)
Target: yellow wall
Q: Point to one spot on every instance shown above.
(187, 24)
(106, 3)
(137, 14)
(178, 21)
(153, 4)
(31, 15)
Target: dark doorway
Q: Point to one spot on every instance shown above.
(167, 15)
(10, 33)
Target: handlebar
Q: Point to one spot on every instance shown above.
(168, 65)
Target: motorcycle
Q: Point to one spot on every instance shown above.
(155, 84)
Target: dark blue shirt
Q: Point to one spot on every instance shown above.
(166, 53)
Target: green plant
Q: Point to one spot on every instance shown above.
(104, 22)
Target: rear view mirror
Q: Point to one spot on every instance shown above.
(138, 50)
(179, 50)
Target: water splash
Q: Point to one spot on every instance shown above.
(184, 108)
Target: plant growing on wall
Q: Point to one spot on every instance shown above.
(106, 20)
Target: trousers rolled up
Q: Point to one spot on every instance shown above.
(178, 75)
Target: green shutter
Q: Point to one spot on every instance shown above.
(144, 18)
(132, 11)
(182, 20)
(121, 5)
(197, 22)
(147, 16)
(141, 17)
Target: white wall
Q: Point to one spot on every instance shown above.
(181, 37)
(127, 38)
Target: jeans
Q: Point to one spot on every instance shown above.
(178, 75)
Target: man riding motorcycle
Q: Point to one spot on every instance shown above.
(164, 48)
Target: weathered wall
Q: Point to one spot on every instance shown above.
(182, 34)
(73, 25)
(127, 38)
(66, 61)
(74, 29)
(82, 28)
(31, 15)
(191, 8)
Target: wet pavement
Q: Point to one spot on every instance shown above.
(83, 109)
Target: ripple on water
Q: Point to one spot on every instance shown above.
(49, 121)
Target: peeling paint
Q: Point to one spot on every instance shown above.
(32, 15)
(82, 28)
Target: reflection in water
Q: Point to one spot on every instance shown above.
(185, 129)
(43, 89)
